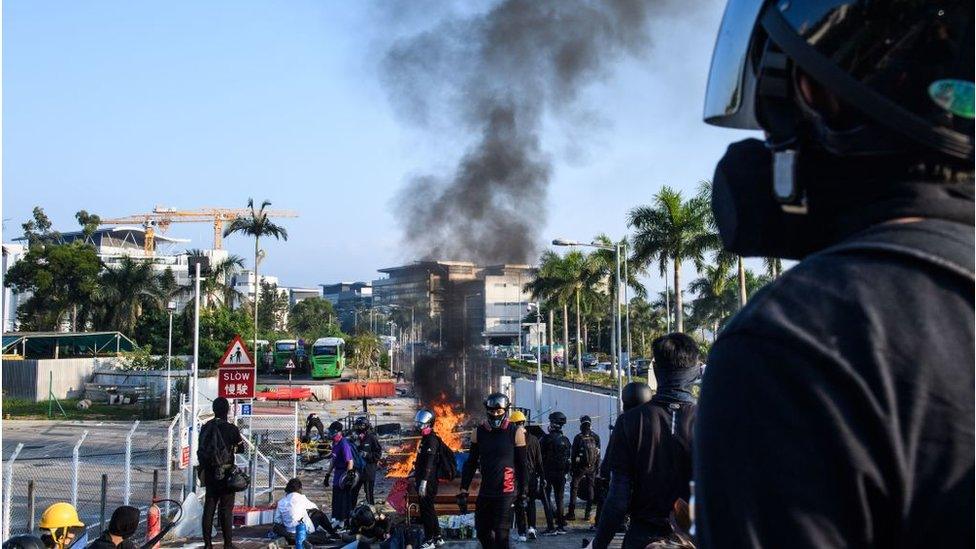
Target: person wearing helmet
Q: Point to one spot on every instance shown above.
(368, 445)
(633, 395)
(219, 440)
(122, 526)
(369, 525)
(525, 518)
(837, 406)
(586, 463)
(498, 450)
(557, 457)
(345, 476)
(650, 458)
(425, 475)
(25, 541)
(314, 422)
(61, 527)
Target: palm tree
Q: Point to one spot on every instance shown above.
(774, 266)
(257, 225)
(711, 306)
(555, 283)
(215, 287)
(604, 262)
(675, 229)
(127, 289)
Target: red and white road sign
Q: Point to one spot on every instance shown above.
(236, 355)
(235, 382)
(290, 365)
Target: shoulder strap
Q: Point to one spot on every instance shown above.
(948, 246)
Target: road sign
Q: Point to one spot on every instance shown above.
(236, 355)
(235, 382)
(245, 410)
(290, 365)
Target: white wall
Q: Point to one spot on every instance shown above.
(601, 408)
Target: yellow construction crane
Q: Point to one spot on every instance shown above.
(161, 218)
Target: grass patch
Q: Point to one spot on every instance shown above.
(591, 378)
(16, 408)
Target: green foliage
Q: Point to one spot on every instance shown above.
(37, 230)
(143, 359)
(127, 290)
(218, 327)
(274, 305)
(89, 222)
(60, 277)
(364, 350)
(313, 318)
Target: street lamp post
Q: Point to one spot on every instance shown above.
(630, 350)
(538, 358)
(392, 343)
(618, 347)
(171, 306)
(194, 401)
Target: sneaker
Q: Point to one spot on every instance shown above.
(532, 533)
(561, 531)
(438, 540)
(522, 538)
(549, 532)
(429, 544)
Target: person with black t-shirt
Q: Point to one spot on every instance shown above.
(650, 465)
(368, 445)
(425, 476)
(837, 407)
(586, 462)
(314, 422)
(556, 455)
(498, 450)
(633, 395)
(218, 499)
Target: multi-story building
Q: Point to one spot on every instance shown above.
(349, 300)
(12, 253)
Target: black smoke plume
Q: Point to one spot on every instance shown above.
(494, 77)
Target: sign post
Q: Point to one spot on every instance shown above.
(290, 366)
(236, 373)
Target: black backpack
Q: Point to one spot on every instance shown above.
(587, 453)
(557, 454)
(446, 462)
(214, 455)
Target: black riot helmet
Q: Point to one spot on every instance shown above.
(362, 517)
(636, 393)
(361, 425)
(556, 421)
(585, 423)
(496, 406)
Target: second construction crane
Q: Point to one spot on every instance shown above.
(160, 218)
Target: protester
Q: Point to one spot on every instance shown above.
(498, 450)
(525, 518)
(633, 395)
(219, 441)
(294, 508)
(342, 468)
(838, 405)
(650, 462)
(313, 422)
(586, 462)
(61, 527)
(25, 541)
(368, 445)
(370, 527)
(556, 457)
(425, 475)
(122, 526)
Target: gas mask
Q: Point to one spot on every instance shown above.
(555, 428)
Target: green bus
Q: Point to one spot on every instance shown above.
(284, 349)
(328, 357)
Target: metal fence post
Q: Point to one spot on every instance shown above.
(128, 463)
(75, 463)
(254, 477)
(30, 505)
(271, 480)
(101, 504)
(294, 454)
(169, 459)
(8, 484)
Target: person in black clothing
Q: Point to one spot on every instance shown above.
(425, 475)
(368, 445)
(122, 526)
(314, 422)
(586, 462)
(498, 450)
(218, 499)
(556, 455)
(633, 395)
(837, 406)
(525, 522)
(650, 464)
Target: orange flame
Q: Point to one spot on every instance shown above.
(447, 425)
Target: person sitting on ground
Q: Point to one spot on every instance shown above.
(61, 528)
(294, 508)
(370, 526)
(122, 526)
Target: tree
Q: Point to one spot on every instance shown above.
(218, 326)
(37, 230)
(774, 266)
(311, 319)
(556, 281)
(647, 322)
(215, 287)
(365, 351)
(128, 289)
(675, 229)
(59, 278)
(271, 317)
(257, 225)
(89, 222)
(712, 305)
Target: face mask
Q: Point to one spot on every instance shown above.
(426, 430)
(553, 428)
(337, 437)
(496, 421)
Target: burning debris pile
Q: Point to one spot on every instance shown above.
(449, 425)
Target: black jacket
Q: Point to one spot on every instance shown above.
(232, 438)
(369, 447)
(557, 453)
(428, 454)
(105, 542)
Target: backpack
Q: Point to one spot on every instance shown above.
(446, 462)
(357, 458)
(214, 454)
(558, 454)
(587, 453)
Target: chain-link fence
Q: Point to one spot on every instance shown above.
(271, 451)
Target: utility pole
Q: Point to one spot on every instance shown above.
(169, 355)
(194, 411)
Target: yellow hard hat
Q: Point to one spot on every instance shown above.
(516, 416)
(60, 515)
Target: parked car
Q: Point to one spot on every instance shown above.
(527, 357)
(601, 368)
(640, 366)
(589, 360)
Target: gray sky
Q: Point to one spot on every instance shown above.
(116, 106)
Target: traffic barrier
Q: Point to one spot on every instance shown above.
(370, 389)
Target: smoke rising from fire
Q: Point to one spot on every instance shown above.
(495, 76)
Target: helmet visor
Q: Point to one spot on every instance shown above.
(729, 98)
